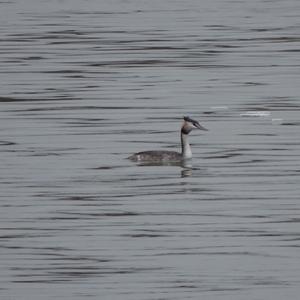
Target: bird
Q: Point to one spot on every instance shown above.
(162, 156)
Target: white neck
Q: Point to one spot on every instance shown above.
(186, 150)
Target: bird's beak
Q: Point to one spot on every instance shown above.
(200, 127)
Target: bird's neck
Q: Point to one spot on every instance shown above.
(186, 150)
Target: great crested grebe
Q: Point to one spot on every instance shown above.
(171, 156)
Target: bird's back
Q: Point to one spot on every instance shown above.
(156, 156)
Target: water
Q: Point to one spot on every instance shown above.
(84, 84)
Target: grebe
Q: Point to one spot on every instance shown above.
(171, 156)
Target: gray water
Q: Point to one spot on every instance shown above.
(84, 84)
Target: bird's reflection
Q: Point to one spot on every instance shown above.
(186, 173)
(186, 166)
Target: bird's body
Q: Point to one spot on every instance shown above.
(161, 156)
(156, 156)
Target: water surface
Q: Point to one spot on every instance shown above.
(84, 84)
